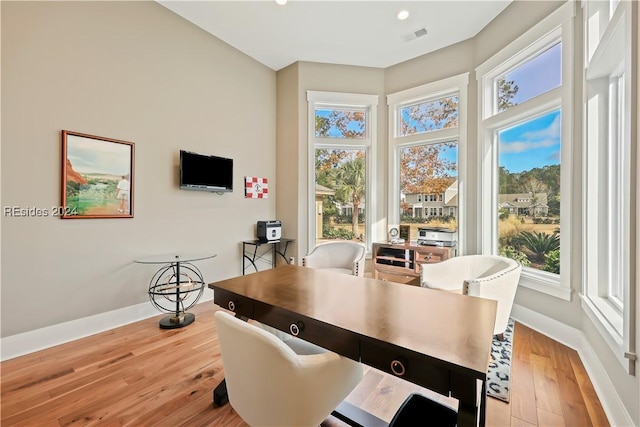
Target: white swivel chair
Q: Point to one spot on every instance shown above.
(343, 256)
(484, 276)
(270, 384)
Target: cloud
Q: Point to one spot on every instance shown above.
(551, 131)
(522, 146)
(534, 139)
(554, 157)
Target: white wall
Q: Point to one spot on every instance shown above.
(137, 72)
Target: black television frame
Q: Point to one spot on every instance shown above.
(214, 161)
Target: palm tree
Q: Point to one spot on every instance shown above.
(538, 243)
(351, 179)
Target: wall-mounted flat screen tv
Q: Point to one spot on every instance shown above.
(205, 172)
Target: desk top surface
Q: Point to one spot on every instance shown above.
(457, 329)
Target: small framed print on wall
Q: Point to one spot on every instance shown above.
(256, 188)
(97, 177)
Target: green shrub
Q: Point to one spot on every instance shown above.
(511, 252)
(329, 232)
(538, 243)
(552, 262)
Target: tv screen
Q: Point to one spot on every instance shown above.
(205, 172)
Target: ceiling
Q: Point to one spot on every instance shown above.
(363, 33)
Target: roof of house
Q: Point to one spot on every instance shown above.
(523, 200)
(321, 190)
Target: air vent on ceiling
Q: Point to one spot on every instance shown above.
(415, 34)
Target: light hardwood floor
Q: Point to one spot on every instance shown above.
(141, 375)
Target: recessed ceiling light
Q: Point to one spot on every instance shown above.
(403, 14)
(281, 2)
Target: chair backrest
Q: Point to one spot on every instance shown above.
(498, 282)
(451, 274)
(485, 276)
(268, 384)
(339, 255)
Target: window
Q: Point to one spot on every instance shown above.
(426, 135)
(536, 76)
(529, 192)
(340, 123)
(428, 116)
(342, 152)
(525, 135)
(608, 174)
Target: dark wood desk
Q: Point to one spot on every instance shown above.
(438, 340)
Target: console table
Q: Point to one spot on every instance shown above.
(401, 262)
(176, 286)
(250, 252)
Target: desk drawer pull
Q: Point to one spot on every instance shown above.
(397, 367)
(232, 306)
(296, 328)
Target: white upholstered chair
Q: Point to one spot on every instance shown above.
(270, 384)
(484, 276)
(343, 256)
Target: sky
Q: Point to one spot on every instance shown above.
(532, 144)
(96, 156)
(535, 143)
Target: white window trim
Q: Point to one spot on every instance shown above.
(556, 26)
(617, 327)
(369, 143)
(452, 85)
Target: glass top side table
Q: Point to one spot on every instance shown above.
(176, 286)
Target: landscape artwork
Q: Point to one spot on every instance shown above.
(97, 177)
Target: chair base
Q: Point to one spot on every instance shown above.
(356, 417)
(418, 407)
(220, 396)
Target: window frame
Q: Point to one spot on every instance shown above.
(457, 84)
(341, 101)
(556, 27)
(609, 55)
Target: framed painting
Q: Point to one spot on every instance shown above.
(97, 177)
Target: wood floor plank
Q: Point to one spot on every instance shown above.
(523, 400)
(389, 394)
(589, 396)
(498, 413)
(371, 378)
(523, 396)
(560, 357)
(539, 345)
(141, 375)
(517, 422)
(546, 385)
(551, 419)
(573, 408)
(522, 340)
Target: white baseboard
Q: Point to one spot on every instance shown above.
(575, 339)
(50, 336)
